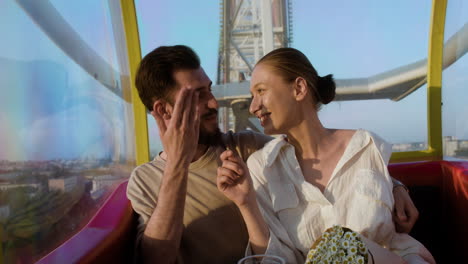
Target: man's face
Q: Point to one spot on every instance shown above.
(198, 80)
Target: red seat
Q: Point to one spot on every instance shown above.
(438, 188)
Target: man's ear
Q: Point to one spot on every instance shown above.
(300, 88)
(160, 108)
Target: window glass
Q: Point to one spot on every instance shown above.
(163, 23)
(361, 43)
(67, 129)
(455, 81)
(364, 40)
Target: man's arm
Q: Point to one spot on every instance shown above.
(161, 238)
(163, 232)
(405, 214)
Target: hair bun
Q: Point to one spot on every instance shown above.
(326, 88)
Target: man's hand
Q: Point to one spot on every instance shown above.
(163, 232)
(180, 137)
(405, 213)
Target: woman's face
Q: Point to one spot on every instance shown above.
(273, 101)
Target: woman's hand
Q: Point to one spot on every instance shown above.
(234, 180)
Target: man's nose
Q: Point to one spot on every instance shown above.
(212, 103)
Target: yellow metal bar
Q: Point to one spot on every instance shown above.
(434, 89)
(434, 77)
(134, 57)
(413, 156)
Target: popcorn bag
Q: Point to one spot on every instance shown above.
(338, 245)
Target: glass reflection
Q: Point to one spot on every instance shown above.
(66, 136)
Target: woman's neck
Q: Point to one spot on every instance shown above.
(309, 137)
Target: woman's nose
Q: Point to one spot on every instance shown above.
(254, 105)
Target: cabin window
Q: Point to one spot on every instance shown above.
(364, 42)
(66, 133)
(163, 23)
(367, 40)
(455, 81)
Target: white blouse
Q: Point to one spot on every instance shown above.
(358, 196)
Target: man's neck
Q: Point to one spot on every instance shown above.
(201, 150)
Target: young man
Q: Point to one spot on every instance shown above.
(183, 217)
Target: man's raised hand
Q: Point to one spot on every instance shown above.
(180, 136)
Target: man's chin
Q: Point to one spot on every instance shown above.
(210, 138)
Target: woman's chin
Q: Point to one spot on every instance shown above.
(269, 130)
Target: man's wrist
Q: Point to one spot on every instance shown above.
(397, 183)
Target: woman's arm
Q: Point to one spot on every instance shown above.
(234, 181)
(259, 234)
(266, 233)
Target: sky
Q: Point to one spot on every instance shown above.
(350, 39)
(74, 116)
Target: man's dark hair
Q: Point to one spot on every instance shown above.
(155, 76)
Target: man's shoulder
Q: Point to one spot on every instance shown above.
(244, 137)
(149, 172)
(150, 166)
(245, 142)
(142, 187)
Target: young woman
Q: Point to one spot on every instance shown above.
(310, 177)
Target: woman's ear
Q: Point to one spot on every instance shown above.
(300, 88)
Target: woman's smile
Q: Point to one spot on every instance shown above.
(263, 118)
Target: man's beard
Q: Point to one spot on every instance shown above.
(210, 138)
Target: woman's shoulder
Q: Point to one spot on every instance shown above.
(360, 138)
(341, 138)
(345, 134)
(348, 134)
(265, 156)
(384, 148)
(256, 158)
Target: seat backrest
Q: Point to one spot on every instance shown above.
(107, 238)
(439, 190)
